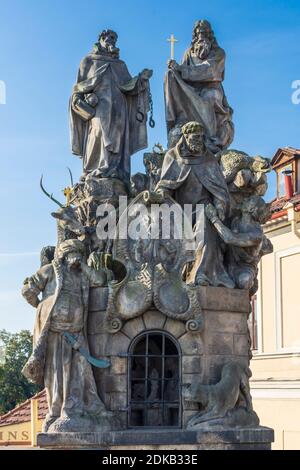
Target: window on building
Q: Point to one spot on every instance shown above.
(154, 381)
(280, 183)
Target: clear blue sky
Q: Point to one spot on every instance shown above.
(41, 45)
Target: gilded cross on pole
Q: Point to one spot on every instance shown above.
(172, 40)
(67, 193)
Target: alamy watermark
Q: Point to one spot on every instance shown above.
(296, 94)
(154, 221)
(2, 92)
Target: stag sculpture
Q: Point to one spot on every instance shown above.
(68, 223)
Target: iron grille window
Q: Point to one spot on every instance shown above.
(154, 381)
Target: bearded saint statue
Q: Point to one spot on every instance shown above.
(108, 111)
(194, 91)
(192, 176)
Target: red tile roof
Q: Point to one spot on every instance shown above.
(21, 414)
(278, 204)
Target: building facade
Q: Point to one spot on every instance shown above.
(19, 427)
(275, 321)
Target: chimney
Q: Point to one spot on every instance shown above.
(288, 184)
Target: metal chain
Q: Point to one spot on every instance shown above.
(151, 120)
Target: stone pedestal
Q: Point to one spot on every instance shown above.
(224, 337)
(202, 354)
(258, 438)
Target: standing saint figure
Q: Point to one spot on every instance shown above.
(191, 175)
(59, 365)
(108, 111)
(194, 91)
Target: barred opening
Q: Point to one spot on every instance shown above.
(154, 381)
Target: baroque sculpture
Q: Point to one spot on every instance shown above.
(219, 401)
(108, 111)
(194, 91)
(60, 359)
(142, 319)
(192, 175)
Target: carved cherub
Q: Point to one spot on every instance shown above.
(246, 240)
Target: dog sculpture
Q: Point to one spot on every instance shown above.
(219, 399)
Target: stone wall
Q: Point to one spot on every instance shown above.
(224, 337)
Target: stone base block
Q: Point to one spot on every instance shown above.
(256, 438)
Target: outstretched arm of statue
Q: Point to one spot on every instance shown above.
(227, 235)
(31, 292)
(138, 83)
(35, 284)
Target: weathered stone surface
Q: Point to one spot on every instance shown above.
(192, 364)
(107, 397)
(154, 320)
(118, 401)
(116, 344)
(220, 402)
(190, 379)
(115, 112)
(118, 365)
(122, 418)
(115, 383)
(96, 322)
(224, 300)
(219, 343)
(188, 413)
(225, 322)
(215, 363)
(97, 344)
(145, 275)
(240, 438)
(133, 327)
(241, 345)
(175, 327)
(191, 344)
(182, 84)
(98, 298)
(66, 369)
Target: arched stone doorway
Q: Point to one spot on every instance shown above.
(154, 372)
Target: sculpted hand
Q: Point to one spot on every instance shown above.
(221, 213)
(94, 261)
(146, 74)
(211, 212)
(220, 209)
(76, 98)
(172, 64)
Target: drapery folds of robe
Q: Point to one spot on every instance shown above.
(118, 128)
(195, 93)
(197, 179)
(54, 363)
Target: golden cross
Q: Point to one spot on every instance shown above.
(172, 40)
(67, 194)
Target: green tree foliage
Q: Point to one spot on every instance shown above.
(15, 349)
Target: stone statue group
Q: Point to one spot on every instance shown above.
(108, 121)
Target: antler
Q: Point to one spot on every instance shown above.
(71, 177)
(48, 194)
